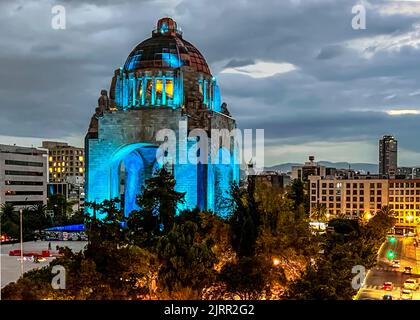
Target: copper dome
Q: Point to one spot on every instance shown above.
(166, 49)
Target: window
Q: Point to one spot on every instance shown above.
(23, 173)
(148, 96)
(169, 90)
(159, 92)
(24, 163)
(23, 183)
(23, 193)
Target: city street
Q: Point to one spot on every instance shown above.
(10, 265)
(408, 255)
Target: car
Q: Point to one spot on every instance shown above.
(407, 270)
(388, 286)
(410, 284)
(396, 264)
(387, 297)
(406, 294)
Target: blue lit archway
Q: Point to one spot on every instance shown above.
(131, 166)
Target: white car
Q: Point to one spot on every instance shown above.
(406, 294)
(396, 264)
(410, 284)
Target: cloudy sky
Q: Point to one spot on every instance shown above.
(295, 68)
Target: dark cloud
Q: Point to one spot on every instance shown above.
(50, 79)
(234, 63)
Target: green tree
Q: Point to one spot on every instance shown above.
(158, 205)
(245, 220)
(248, 278)
(187, 262)
(9, 221)
(61, 207)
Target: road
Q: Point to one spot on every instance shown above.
(404, 251)
(10, 266)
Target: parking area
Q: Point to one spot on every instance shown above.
(10, 265)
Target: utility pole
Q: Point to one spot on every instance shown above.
(21, 242)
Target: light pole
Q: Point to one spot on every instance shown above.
(21, 242)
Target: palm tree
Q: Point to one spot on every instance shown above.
(7, 211)
(9, 220)
(319, 213)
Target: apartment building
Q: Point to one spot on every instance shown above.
(363, 196)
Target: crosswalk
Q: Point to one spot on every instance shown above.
(377, 287)
(387, 269)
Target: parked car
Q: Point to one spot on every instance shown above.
(406, 294)
(388, 286)
(410, 284)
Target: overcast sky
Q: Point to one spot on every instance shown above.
(295, 68)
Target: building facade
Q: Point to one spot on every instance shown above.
(66, 163)
(408, 173)
(272, 179)
(23, 176)
(165, 84)
(362, 196)
(388, 156)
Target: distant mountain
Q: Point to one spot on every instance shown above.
(366, 167)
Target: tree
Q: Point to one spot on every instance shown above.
(158, 205)
(61, 207)
(187, 262)
(245, 220)
(319, 213)
(249, 278)
(9, 221)
(297, 194)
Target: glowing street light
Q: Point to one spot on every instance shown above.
(390, 255)
(276, 262)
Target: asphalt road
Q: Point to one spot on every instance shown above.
(408, 255)
(10, 266)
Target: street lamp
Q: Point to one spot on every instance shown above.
(21, 239)
(21, 242)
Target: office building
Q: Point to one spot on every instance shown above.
(65, 162)
(23, 176)
(388, 156)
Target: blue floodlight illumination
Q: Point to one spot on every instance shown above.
(164, 82)
(171, 60)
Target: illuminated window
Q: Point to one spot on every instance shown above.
(51, 170)
(149, 86)
(81, 170)
(159, 89)
(169, 90)
(50, 158)
(54, 164)
(63, 164)
(80, 158)
(59, 169)
(140, 91)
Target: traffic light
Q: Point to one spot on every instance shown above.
(390, 255)
(392, 239)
